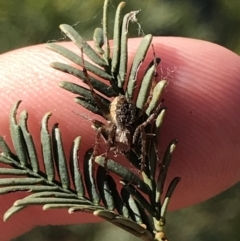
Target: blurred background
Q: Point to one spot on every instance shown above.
(29, 22)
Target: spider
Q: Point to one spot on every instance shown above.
(125, 122)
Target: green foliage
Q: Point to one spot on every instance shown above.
(31, 22)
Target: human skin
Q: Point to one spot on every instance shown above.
(202, 100)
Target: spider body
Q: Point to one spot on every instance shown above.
(122, 117)
(125, 128)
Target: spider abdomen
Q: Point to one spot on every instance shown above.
(122, 111)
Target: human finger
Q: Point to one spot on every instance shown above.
(202, 111)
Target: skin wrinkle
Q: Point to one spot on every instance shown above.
(207, 157)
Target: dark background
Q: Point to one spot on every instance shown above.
(27, 22)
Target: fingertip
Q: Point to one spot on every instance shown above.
(202, 100)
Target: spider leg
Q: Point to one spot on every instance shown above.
(107, 134)
(99, 127)
(96, 144)
(98, 124)
(141, 130)
(110, 142)
(143, 149)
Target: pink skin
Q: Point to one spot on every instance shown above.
(203, 113)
